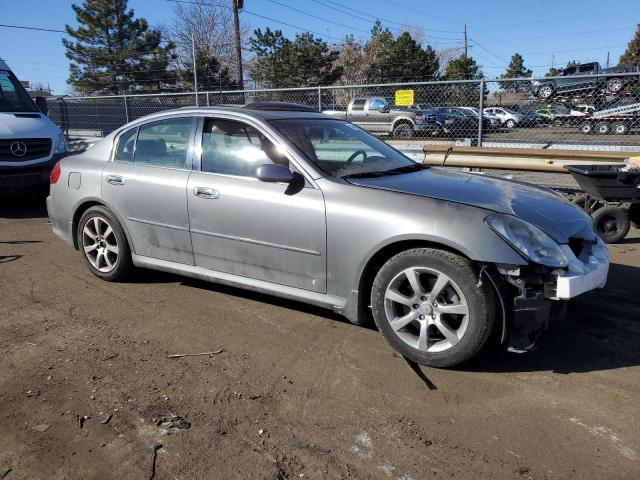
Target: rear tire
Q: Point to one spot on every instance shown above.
(511, 123)
(603, 128)
(404, 130)
(615, 85)
(620, 128)
(103, 244)
(611, 223)
(586, 128)
(545, 91)
(431, 308)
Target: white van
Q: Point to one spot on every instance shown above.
(30, 143)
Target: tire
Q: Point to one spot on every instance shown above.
(447, 338)
(615, 85)
(619, 128)
(545, 91)
(511, 123)
(586, 128)
(634, 214)
(103, 244)
(404, 130)
(611, 223)
(602, 128)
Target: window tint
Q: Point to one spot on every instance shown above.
(377, 103)
(124, 152)
(233, 148)
(589, 68)
(358, 104)
(164, 143)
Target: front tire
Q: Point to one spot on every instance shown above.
(404, 130)
(615, 85)
(545, 91)
(431, 308)
(103, 244)
(511, 123)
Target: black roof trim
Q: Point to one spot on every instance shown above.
(280, 106)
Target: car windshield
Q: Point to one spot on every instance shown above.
(13, 97)
(342, 149)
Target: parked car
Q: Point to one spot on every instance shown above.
(474, 114)
(582, 110)
(283, 200)
(451, 122)
(376, 115)
(30, 143)
(509, 118)
(577, 78)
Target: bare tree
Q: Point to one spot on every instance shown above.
(211, 25)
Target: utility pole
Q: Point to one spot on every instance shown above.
(607, 62)
(195, 72)
(238, 5)
(553, 61)
(466, 46)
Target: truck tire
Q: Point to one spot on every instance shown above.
(614, 85)
(619, 128)
(431, 308)
(545, 91)
(611, 223)
(403, 130)
(586, 128)
(603, 128)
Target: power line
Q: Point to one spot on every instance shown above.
(350, 27)
(22, 27)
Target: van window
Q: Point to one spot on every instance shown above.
(377, 103)
(233, 148)
(164, 143)
(13, 97)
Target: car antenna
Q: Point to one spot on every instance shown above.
(446, 155)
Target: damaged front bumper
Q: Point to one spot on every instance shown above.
(532, 296)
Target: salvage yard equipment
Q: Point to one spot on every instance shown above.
(612, 197)
(617, 120)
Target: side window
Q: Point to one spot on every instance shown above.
(358, 104)
(233, 148)
(126, 142)
(569, 71)
(589, 68)
(164, 143)
(376, 103)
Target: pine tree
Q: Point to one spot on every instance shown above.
(462, 68)
(113, 52)
(211, 75)
(406, 60)
(632, 53)
(516, 69)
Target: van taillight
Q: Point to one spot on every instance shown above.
(55, 173)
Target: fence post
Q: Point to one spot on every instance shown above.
(207, 95)
(481, 112)
(126, 108)
(319, 98)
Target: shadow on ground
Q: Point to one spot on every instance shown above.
(31, 205)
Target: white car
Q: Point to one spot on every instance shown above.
(509, 118)
(582, 110)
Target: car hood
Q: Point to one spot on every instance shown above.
(539, 206)
(15, 125)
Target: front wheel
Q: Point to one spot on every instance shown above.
(620, 128)
(545, 91)
(511, 123)
(431, 308)
(103, 244)
(603, 128)
(614, 85)
(403, 130)
(611, 223)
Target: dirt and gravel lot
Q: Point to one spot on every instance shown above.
(87, 388)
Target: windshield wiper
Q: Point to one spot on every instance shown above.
(394, 171)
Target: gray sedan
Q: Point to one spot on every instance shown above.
(283, 200)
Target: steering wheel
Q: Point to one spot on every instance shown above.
(355, 154)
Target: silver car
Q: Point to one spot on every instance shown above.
(284, 200)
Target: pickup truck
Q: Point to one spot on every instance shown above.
(376, 115)
(578, 78)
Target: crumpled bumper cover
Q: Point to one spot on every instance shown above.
(586, 272)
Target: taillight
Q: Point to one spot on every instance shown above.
(55, 173)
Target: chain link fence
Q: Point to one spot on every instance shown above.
(592, 112)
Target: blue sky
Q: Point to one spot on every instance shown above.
(584, 30)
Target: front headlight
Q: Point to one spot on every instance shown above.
(529, 240)
(60, 144)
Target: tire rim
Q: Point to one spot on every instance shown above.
(545, 92)
(511, 123)
(609, 225)
(615, 86)
(602, 129)
(100, 244)
(620, 129)
(426, 309)
(586, 129)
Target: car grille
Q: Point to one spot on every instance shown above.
(11, 149)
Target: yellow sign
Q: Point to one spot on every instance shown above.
(404, 98)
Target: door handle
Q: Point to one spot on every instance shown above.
(205, 192)
(115, 179)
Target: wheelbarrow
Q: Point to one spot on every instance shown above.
(611, 196)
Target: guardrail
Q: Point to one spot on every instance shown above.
(524, 159)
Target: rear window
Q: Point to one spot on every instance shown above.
(358, 104)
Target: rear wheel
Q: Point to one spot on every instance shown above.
(620, 128)
(510, 123)
(404, 130)
(586, 128)
(545, 91)
(611, 223)
(103, 244)
(431, 308)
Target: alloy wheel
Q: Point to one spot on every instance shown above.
(426, 309)
(100, 244)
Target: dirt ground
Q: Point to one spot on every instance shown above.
(87, 389)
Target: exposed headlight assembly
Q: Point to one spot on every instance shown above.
(60, 144)
(530, 241)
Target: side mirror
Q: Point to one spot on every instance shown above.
(41, 102)
(274, 173)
